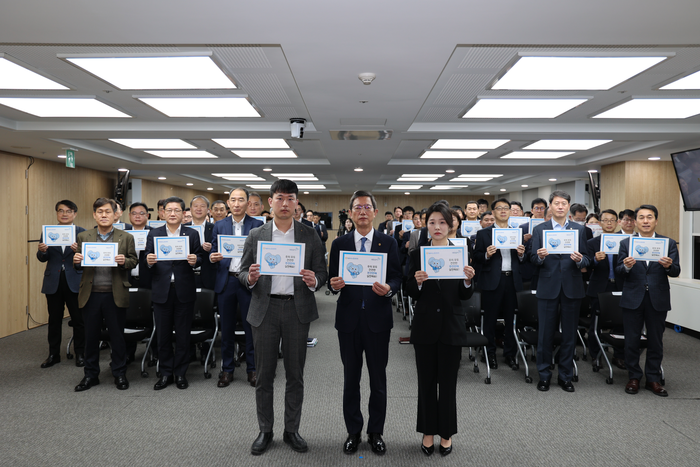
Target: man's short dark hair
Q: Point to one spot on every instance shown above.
(626, 212)
(408, 208)
(284, 186)
(186, 209)
(202, 197)
(254, 194)
(99, 202)
(174, 199)
(161, 203)
(67, 203)
(578, 207)
(537, 201)
(609, 211)
(485, 213)
(303, 208)
(388, 213)
(499, 200)
(367, 194)
(560, 194)
(241, 188)
(471, 202)
(650, 207)
(516, 203)
(481, 201)
(137, 204)
(218, 201)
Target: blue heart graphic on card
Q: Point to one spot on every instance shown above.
(354, 269)
(468, 228)
(554, 242)
(502, 239)
(228, 247)
(436, 264)
(610, 244)
(93, 255)
(166, 249)
(272, 260)
(53, 236)
(642, 250)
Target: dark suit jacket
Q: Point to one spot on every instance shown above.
(162, 271)
(323, 234)
(600, 271)
(305, 222)
(225, 227)
(654, 275)
(55, 257)
(120, 274)
(208, 271)
(304, 301)
(349, 305)
(559, 272)
(490, 269)
(439, 315)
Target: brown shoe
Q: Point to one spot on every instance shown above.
(225, 379)
(656, 388)
(620, 363)
(632, 386)
(252, 378)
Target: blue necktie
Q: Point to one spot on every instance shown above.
(611, 272)
(362, 247)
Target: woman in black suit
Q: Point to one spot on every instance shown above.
(438, 334)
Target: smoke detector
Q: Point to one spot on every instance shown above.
(367, 78)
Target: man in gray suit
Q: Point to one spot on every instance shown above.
(282, 307)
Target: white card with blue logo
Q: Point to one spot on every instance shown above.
(506, 239)
(560, 242)
(171, 248)
(648, 248)
(200, 229)
(443, 262)
(458, 241)
(230, 246)
(281, 259)
(119, 225)
(470, 228)
(516, 221)
(262, 219)
(58, 235)
(610, 243)
(156, 224)
(534, 223)
(98, 254)
(363, 268)
(140, 237)
(394, 224)
(407, 226)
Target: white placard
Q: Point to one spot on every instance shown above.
(534, 223)
(458, 241)
(156, 224)
(470, 228)
(506, 239)
(281, 259)
(58, 235)
(443, 262)
(394, 224)
(99, 254)
(648, 248)
(171, 248)
(560, 242)
(119, 225)
(516, 221)
(262, 219)
(230, 246)
(198, 228)
(407, 226)
(610, 243)
(140, 237)
(359, 268)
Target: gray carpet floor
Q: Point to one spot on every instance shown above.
(507, 423)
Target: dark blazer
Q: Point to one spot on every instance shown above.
(305, 222)
(347, 311)
(559, 272)
(162, 271)
(600, 271)
(208, 271)
(55, 257)
(304, 301)
(654, 275)
(490, 269)
(323, 234)
(225, 227)
(120, 274)
(439, 315)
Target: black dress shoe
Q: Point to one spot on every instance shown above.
(566, 385)
(377, 443)
(445, 451)
(352, 443)
(225, 379)
(121, 382)
(428, 451)
(163, 382)
(51, 361)
(252, 378)
(295, 441)
(510, 361)
(543, 385)
(619, 362)
(261, 443)
(79, 360)
(86, 383)
(181, 382)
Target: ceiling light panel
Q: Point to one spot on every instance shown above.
(154, 143)
(654, 108)
(13, 76)
(422, 175)
(416, 179)
(687, 82)
(448, 187)
(258, 143)
(536, 154)
(405, 187)
(572, 73)
(429, 154)
(262, 154)
(239, 176)
(521, 108)
(202, 107)
(63, 107)
(183, 154)
(567, 144)
(468, 143)
(156, 72)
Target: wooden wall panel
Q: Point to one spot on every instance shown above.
(152, 191)
(612, 187)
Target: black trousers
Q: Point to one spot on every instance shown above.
(437, 366)
(56, 303)
(548, 313)
(99, 307)
(500, 302)
(173, 315)
(655, 322)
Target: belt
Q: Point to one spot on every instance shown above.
(282, 297)
(234, 274)
(507, 273)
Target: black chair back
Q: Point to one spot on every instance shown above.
(526, 313)
(472, 309)
(610, 312)
(140, 311)
(204, 313)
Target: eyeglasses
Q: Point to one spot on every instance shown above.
(171, 211)
(539, 208)
(359, 207)
(65, 211)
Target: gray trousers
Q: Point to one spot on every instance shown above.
(281, 321)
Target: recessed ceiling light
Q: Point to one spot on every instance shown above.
(450, 171)
(190, 184)
(521, 108)
(210, 189)
(267, 169)
(306, 192)
(468, 143)
(503, 189)
(63, 107)
(202, 107)
(407, 193)
(448, 187)
(227, 192)
(13, 76)
(252, 143)
(358, 169)
(487, 193)
(566, 144)
(552, 179)
(405, 187)
(156, 72)
(429, 154)
(264, 154)
(162, 178)
(654, 108)
(654, 158)
(122, 170)
(536, 154)
(524, 186)
(153, 143)
(183, 154)
(61, 156)
(688, 82)
(572, 73)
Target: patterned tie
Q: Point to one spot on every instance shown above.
(363, 240)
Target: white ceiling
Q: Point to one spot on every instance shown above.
(302, 59)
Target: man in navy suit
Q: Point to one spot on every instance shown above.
(645, 301)
(560, 284)
(61, 285)
(230, 292)
(173, 294)
(364, 320)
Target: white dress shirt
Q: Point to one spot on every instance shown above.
(282, 285)
(235, 265)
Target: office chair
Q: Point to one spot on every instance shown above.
(475, 338)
